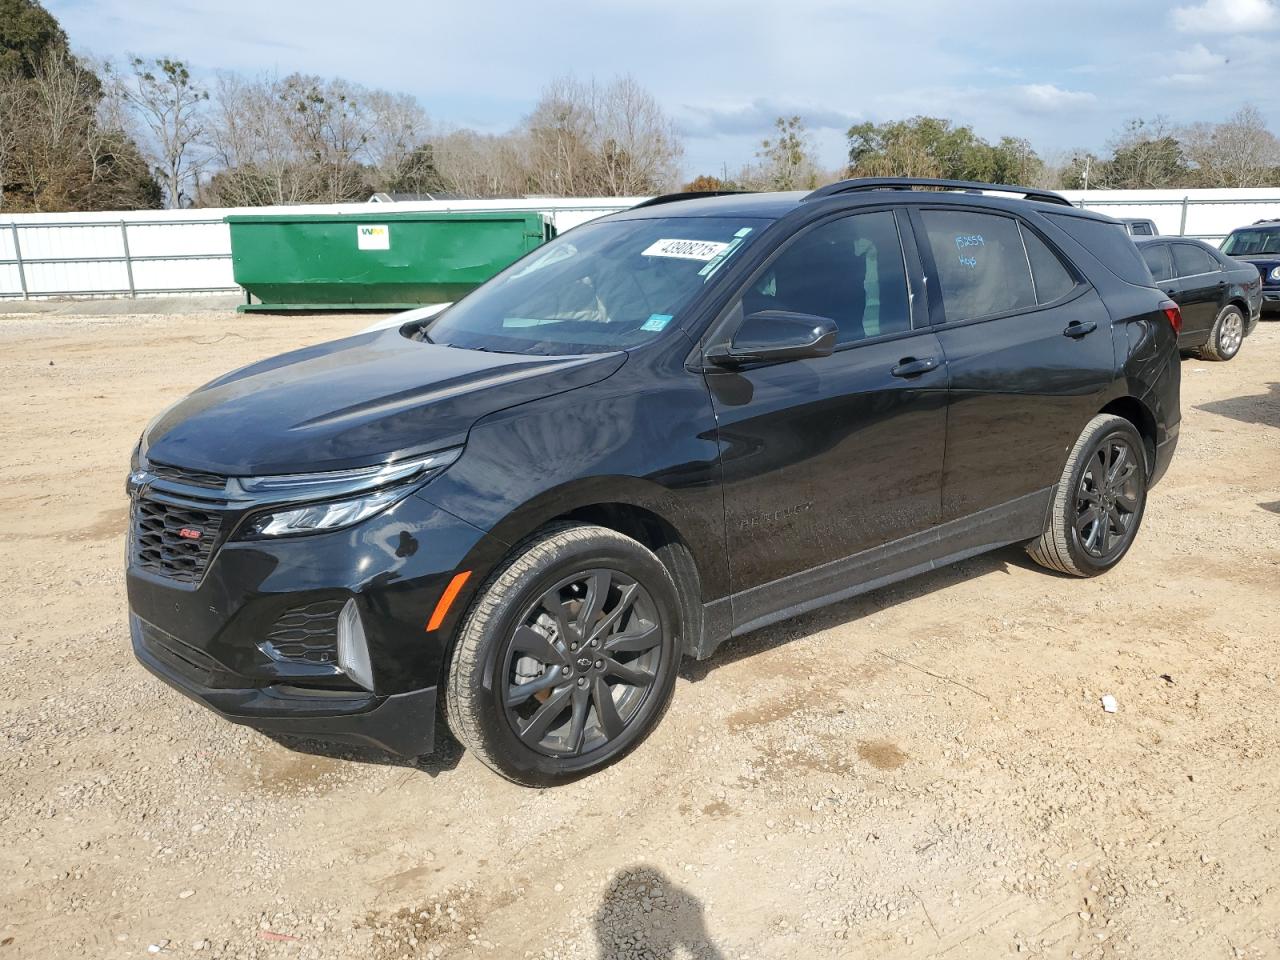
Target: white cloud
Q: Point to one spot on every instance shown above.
(1198, 57)
(1045, 97)
(1227, 16)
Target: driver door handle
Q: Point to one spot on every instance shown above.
(913, 367)
(1076, 329)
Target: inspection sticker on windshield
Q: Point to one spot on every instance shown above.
(684, 249)
(656, 322)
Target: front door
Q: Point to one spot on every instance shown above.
(829, 457)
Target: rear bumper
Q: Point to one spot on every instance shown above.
(1164, 453)
(402, 724)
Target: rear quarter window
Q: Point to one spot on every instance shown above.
(981, 262)
(1110, 243)
(1157, 257)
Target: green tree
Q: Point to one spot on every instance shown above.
(704, 183)
(28, 34)
(935, 147)
(786, 160)
(1145, 155)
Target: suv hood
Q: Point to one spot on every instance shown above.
(1265, 262)
(354, 402)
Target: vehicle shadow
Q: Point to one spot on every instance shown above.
(1263, 408)
(1273, 507)
(445, 755)
(643, 913)
(856, 608)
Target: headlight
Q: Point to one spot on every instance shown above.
(323, 516)
(1275, 273)
(375, 489)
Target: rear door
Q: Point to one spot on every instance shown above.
(1199, 284)
(1028, 348)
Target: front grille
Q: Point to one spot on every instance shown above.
(159, 547)
(192, 478)
(306, 634)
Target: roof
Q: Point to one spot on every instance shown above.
(774, 206)
(769, 206)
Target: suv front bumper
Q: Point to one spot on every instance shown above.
(403, 723)
(253, 637)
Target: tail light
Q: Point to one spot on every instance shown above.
(1173, 313)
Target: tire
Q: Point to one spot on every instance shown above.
(1074, 544)
(578, 617)
(1226, 336)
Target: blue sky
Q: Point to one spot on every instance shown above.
(1062, 75)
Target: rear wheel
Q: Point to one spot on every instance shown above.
(567, 659)
(1099, 502)
(1226, 336)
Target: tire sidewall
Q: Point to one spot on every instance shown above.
(520, 761)
(1086, 562)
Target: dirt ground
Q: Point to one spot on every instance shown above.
(924, 771)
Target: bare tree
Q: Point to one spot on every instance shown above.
(639, 147)
(397, 142)
(585, 139)
(1240, 152)
(58, 154)
(170, 105)
(472, 164)
(11, 102)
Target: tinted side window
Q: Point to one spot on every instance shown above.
(1189, 261)
(1052, 280)
(1157, 257)
(1110, 243)
(982, 266)
(849, 270)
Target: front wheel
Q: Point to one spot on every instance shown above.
(1226, 336)
(1099, 502)
(567, 658)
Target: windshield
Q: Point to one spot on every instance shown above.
(1250, 243)
(600, 287)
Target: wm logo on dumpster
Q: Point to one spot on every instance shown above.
(373, 236)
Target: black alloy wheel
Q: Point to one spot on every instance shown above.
(1108, 499)
(567, 657)
(580, 664)
(1098, 503)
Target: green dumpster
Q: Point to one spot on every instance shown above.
(376, 260)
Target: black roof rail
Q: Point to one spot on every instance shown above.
(691, 195)
(910, 183)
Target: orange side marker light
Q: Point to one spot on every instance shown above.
(446, 600)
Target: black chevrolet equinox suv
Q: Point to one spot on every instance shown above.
(667, 427)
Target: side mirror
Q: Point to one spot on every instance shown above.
(777, 335)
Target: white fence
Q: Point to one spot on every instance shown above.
(155, 252)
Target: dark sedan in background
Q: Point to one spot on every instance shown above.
(1220, 297)
(1259, 245)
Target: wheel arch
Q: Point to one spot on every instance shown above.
(647, 513)
(1136, 412)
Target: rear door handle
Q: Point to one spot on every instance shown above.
(1076, 329)
(913, 367)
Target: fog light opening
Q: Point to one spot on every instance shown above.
(353, 649)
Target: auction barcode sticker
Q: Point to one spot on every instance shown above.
(684, 249)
